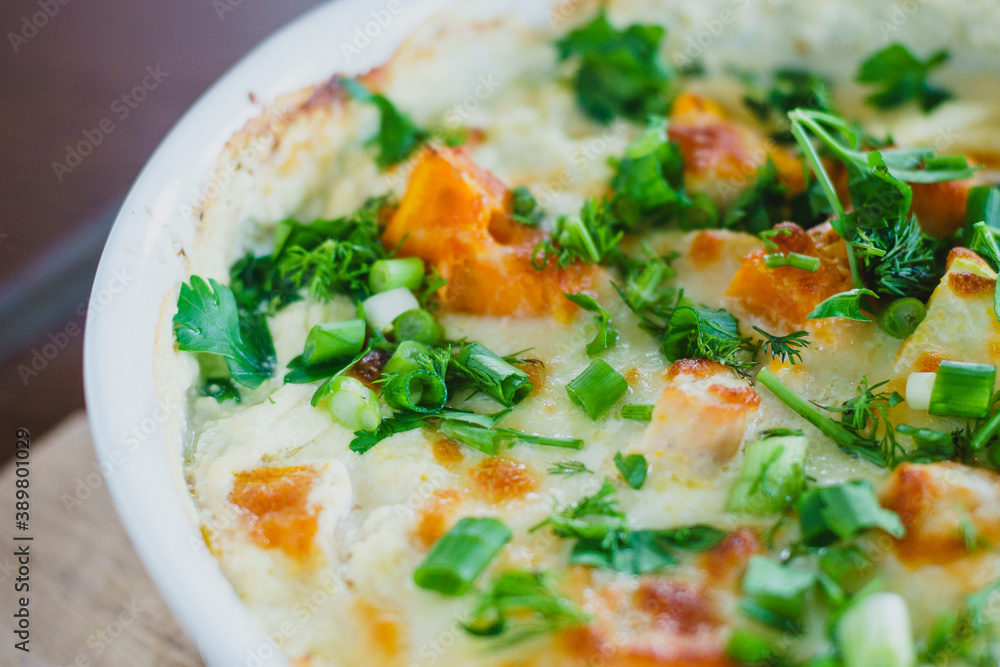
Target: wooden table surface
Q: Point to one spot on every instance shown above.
(92, 603)
(62, 74)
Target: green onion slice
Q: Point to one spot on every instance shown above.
(418, 391)
(492, 375)
(597, 388)
(642, 413)
(455, 561)
(962, 390)
(875, 632)
(389, 274)
(384, 307)
(417, 325)
(335, 340)
(353, 405)
(902, 317)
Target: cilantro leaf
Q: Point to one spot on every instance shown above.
(846, 305)
(606, 336)
(619, 71)
(208, 320)
(902, 77)
(398, 136)
(633, 469)
(829, 513)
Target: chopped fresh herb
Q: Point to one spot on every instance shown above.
(619, 73)
(829, 513)
(703, 333)
(902, 77)
(331, 371)
(520, 606)
(901, 260)
(524, 208)
(365, 440)
(606, 335)
(590, 238)
(646, 292)
(846, 305)
(857, 433)
(258, 288)
(778, 588)
(786, 348)
(902, 317)
(761, 205)
(208, 320)
(772, 477)
(604, 539)
(569, 468)
(790, 89)
(491, 374)
(642, 413)
(220, 388)
(461, 555)
(597, 388)
(633, 469)
(984, 242)
(648, 184)
(398, 136)
(968, 636)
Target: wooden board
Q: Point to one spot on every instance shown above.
(92, 602)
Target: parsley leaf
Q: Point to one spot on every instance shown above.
(208, 320)
(829, 513)
(846, 305)
(521, 605)
(790, 89)
(902, 77)
(761, 205)
(606, 336)
(398, 136)
(646, 292)
(633, 469)
(619, 71)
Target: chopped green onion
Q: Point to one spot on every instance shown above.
(410, 356)
(482, 439)
(982, 204)
(875, 632)
(535, 439)
(455, 560)
(985, 434)
(417, 325)
(597, 388)
(334, 340)
(748, 648)
(780, 589)
(793, 259)
(772, 477)
(902, 317)
(353, 405)
(390, 274)
(918, 390)
(416, 391)
(381, 309)
(962, 390)
(492, 375)
(642, 413)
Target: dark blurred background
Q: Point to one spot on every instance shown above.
(68, 65)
